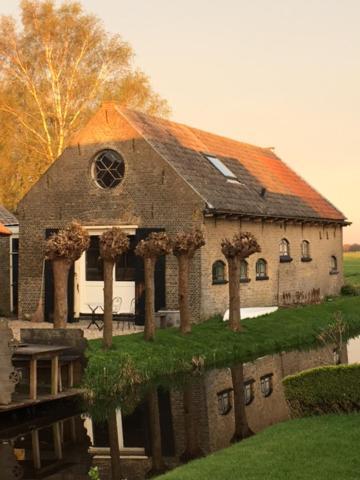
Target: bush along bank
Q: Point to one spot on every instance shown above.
(330, 389)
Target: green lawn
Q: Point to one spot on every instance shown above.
(352, 268)
(132, 358)
(315, 448)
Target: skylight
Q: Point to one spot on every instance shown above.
(218, 164)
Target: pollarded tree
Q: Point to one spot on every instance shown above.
(242, 429)
(240, 247)
(184, 246)
(63, 249)
(113, 243)
(150, 249)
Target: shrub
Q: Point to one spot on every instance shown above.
(349, 290)
(330, 389)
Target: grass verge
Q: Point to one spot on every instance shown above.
(132, 360)
(352, 268)
(307, 449)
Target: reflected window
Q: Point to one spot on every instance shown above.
(333, 265)
(244, 271)
(218, 272)
(224, 401)
(266, 385)
(261, 269)
(248, 391)
(336, 355)
(93, 261)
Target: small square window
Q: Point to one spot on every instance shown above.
(219, 165)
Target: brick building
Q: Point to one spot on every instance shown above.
(9, 242)
(143, 173)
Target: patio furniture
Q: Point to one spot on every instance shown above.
(128, 317)
(96, 318)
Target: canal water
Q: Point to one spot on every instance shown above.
(166, 428)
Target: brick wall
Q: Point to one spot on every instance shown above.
(4, 276)
(288, 283)
(151, 195)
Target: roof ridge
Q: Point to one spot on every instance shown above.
(189, 127)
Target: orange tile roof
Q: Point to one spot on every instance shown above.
(256, 168)
(4, 230)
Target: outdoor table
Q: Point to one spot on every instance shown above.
(93, 307)
(33, 353)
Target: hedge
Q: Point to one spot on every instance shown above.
(329, 389)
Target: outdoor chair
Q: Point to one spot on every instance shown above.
(128, 317)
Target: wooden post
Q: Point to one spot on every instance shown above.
(33, 378)
(36, 449)
(71, 374)
(54, 374)
(57, 440)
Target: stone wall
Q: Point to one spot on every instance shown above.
(288, 283)
(151, 195)
(4, 276)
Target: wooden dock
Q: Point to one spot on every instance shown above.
(21, 401)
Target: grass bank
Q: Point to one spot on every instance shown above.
(307, 449)
(133, 360)
(352, 268)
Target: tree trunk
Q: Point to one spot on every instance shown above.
(61, 269)
(191, 423)
(149, 271)
(185, 319)
(158, 465)
(242, 429)
(234, 294)
(108, 303)
(114, 446)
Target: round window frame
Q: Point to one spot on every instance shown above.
(93, 172)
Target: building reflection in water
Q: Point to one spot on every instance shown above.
(168, 428)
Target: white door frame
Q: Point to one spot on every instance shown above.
(79, 268)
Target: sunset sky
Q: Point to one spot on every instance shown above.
(279, 73)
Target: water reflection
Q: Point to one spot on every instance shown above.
(167, 428)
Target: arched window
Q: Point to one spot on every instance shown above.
(333, 265)
(218, 272)
(244, 271)
(284, 250)
(261, 270)
(305, 251)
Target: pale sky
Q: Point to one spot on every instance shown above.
(280, 73)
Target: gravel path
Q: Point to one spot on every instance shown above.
(89, 333)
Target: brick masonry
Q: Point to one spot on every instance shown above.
(288, 283)
(152, 194)
(5, 276)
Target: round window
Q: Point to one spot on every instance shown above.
(108, 169)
